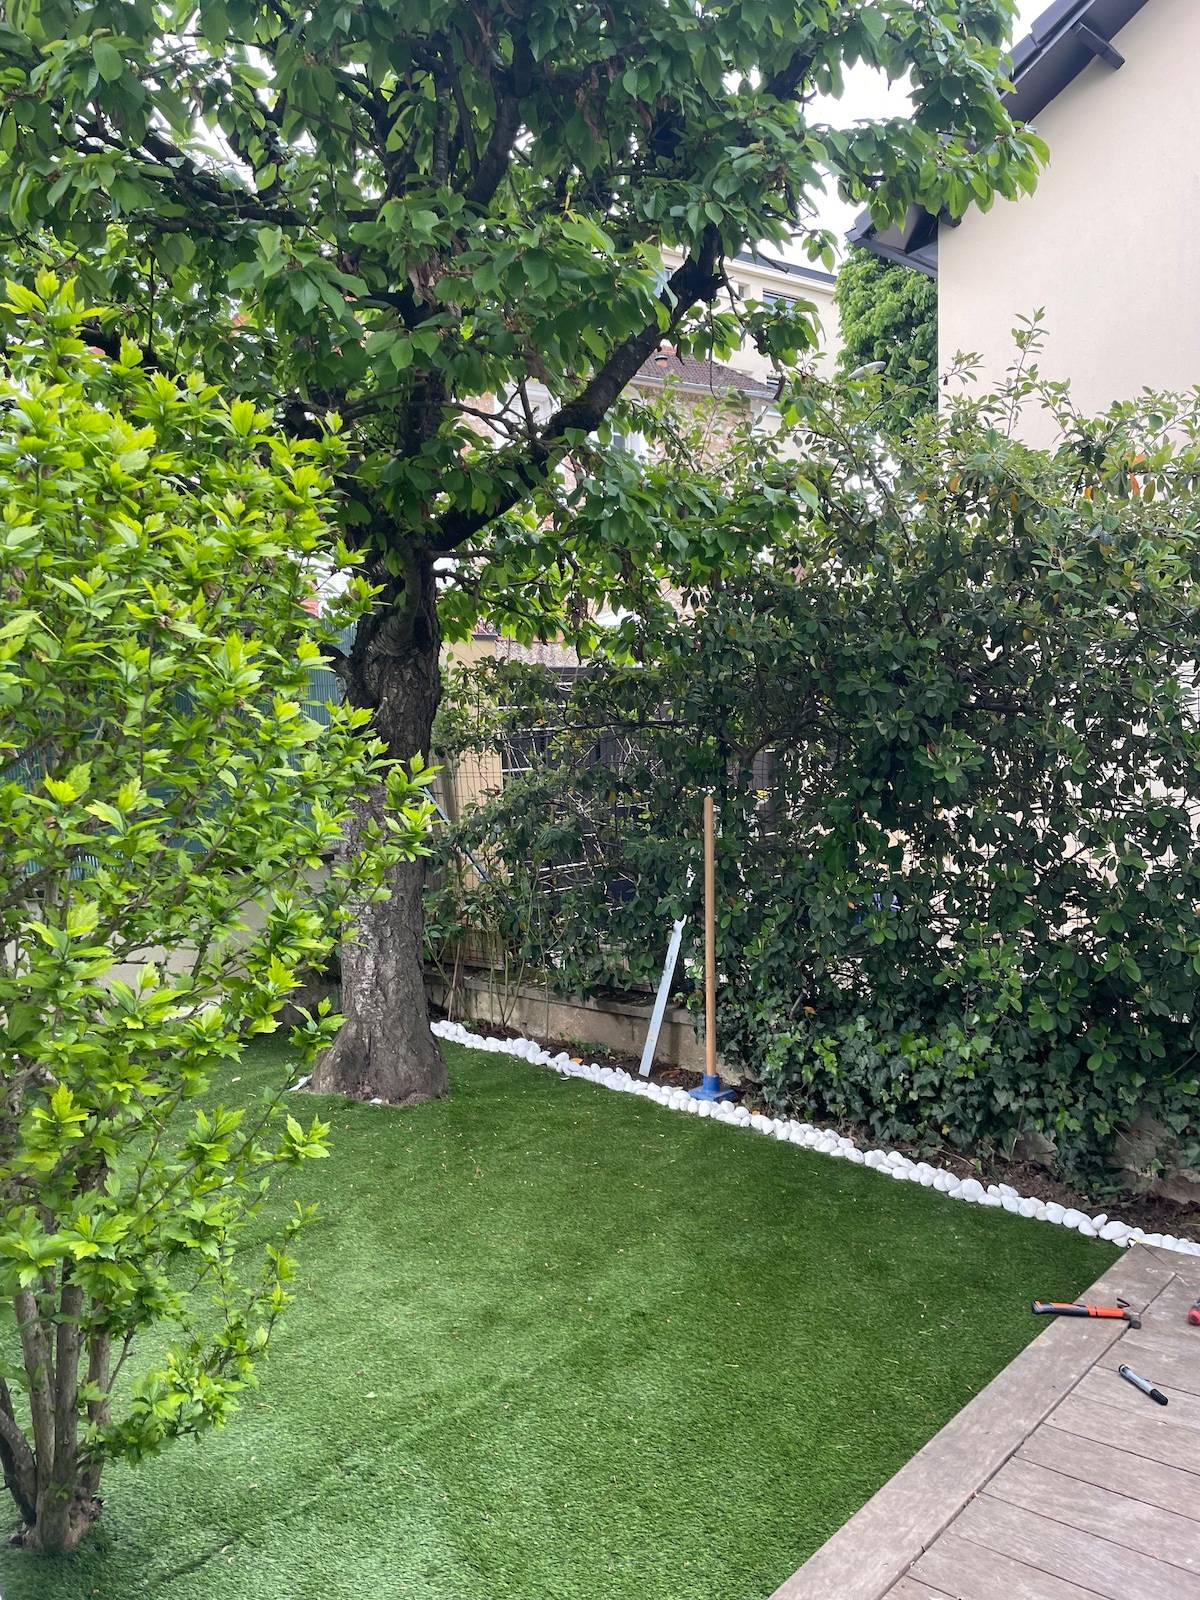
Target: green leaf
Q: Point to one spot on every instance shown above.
(109, 62)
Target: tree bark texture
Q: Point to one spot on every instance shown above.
(52, 1486)
(385, 1049)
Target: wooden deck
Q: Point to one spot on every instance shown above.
(1060, 1481)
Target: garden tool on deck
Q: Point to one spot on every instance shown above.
(1194, 1315)
(1059, 1308)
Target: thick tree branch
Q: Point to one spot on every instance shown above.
(783, 85)
(696, 279)
(20, 1468)
(493, 164)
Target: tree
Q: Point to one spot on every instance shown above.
(888, 313)
(165, 808)
(419, 205)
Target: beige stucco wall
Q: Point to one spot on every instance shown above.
(756, 281)
(1108, 242)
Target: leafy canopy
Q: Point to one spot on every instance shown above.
(888, 313)
(416, 205)
(169, 803)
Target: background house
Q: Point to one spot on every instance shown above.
(1106, 243)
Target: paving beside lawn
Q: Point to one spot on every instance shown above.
(557, 1344)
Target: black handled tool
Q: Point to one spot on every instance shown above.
(1058, 1308)
(1143, 1384)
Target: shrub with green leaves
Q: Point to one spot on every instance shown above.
(171, 817)
(887, 313)
(949, 711)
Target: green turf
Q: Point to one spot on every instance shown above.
(556, 1342)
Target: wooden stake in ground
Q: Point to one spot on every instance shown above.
(710, 943)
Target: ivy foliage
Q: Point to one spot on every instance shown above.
(168, 809)
(951, 721)
(888, 313)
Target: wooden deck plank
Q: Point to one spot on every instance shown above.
(1172, 1305)
(1151, 1434)
(910, 1589)
(1063, 1552)
(878, 1545)
(1111, 1468)
(1171, 1368)
(970, 1572)
(1121, 1519)
(1103, 1385)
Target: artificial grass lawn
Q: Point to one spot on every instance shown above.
(556, 1342)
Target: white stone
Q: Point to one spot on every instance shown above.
(1085, 1228)
(943, 1182)
(970, 1189)
(1072, 1218)
(1055, 1212)
(1010, 1203)
(856, 1156)
(1027, 1208)
(1099, 1222)
(1153, 1238)
(1007, 1188)
(1114, 1231)
(1042, 1214)
(993, 1200)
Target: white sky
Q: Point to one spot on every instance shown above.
(868, 94)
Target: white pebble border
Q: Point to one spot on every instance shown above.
(823, 1140)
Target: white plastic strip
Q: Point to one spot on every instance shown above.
(825, 1141)
(661, 998)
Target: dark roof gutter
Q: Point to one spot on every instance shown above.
(794, 269)
(1065, 39)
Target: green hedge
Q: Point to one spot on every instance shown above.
(952, 728)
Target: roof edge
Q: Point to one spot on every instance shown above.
(1062, 41)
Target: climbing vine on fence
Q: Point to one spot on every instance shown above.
(950, 718)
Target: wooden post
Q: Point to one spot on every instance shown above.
(710, 943)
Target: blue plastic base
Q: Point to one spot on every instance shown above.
(711, 1089)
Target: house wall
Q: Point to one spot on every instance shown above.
(757, 281)
(1106, 244)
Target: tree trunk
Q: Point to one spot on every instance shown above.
(385, 1049)
(61, 1525)
(56, 1501)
